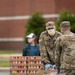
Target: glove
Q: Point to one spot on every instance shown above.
(54, 67)
(47, 66)
(58, 70)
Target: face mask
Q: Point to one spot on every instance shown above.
(51, 32)
(30, 40)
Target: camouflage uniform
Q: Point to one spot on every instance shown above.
(65, 53)
(47, 48)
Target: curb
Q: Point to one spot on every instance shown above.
(4, 69)
(9, 55)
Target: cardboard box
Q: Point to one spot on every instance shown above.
(18, 74)
(31, 65)
(47, 72)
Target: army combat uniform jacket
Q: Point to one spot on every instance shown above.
(47, 48)
(65, 52)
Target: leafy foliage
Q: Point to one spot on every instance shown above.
(35, 24)
(65, 16)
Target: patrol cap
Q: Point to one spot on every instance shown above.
(50, 25)
(31, 35)
(65, 24)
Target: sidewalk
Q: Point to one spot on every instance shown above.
(8, 55)
(4, 69)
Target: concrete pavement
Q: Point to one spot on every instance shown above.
(8, 55)
(4, 73)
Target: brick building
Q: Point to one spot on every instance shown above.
(15, 13)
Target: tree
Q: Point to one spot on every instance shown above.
(35, 24)
(66, 16)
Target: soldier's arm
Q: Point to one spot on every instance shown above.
(43, 52)
(57, 53)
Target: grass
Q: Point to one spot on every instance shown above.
(4, 63)
(10, 52)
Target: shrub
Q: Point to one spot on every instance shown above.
(35, 24)
(65, 16)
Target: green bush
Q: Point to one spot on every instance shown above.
(65, 16)
(4, 63)
(35, 25)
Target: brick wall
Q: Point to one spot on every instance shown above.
(62, 5)
(14, 28)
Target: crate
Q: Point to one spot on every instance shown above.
(47, 72)
(18, 74)
(26, 65)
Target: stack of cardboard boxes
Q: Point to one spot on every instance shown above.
(25, 65)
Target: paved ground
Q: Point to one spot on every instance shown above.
(4, 73)
(8, 55)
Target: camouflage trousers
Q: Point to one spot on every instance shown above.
(67, 72)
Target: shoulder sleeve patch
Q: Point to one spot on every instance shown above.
(40, 40)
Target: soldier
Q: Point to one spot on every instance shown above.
(65, 50)
(46, 43)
